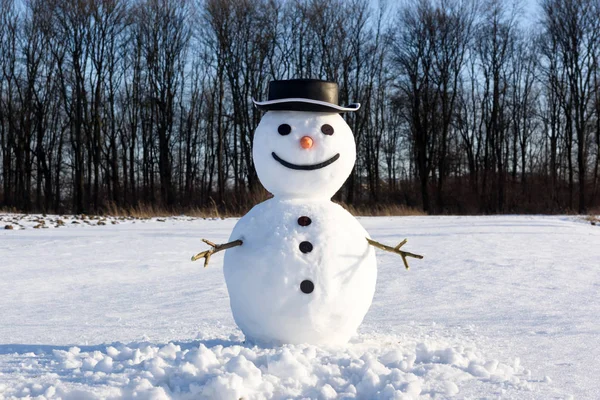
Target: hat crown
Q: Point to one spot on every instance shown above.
(313, 89)
(314, 95)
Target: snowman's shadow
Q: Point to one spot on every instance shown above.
(209, 343)
(347, 274)
(48, 349)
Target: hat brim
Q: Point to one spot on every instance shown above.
(301, 104)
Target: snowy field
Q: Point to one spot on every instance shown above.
(501, 307)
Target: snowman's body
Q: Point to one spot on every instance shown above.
(305, 272)
(266, 276)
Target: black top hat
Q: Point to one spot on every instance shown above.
(304, 95)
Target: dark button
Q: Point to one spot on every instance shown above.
(304, 221)
(307, 286)
(306, 247)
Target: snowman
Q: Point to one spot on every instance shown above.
(298, 267)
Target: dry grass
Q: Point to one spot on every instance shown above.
(593, 216)
(238, 209)
(593, 219)
(235, 207)
(146, 211)
(594, 211)
(383, 210)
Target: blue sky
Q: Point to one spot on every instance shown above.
(531, 9)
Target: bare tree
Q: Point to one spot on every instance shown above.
(148, 102)
(574, 27)
(165, 37)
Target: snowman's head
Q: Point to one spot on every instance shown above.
(306, 155)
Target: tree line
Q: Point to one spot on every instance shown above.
(467, 106)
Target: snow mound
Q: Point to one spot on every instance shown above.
(372, 366)
(15, 221)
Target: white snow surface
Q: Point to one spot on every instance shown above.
(501, 307)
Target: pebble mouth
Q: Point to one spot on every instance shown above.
(305, 167)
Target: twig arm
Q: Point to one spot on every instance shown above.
(215, 249)
(395, 250)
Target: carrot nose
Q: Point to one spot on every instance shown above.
(306, 142)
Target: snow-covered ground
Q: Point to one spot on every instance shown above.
(501, 307)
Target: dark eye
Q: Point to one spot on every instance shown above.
(284, 129)
(327, 129)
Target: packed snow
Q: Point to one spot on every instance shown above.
(501, 307)
(287, 169)
(265, 275)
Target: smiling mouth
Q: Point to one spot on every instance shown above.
(305, 167)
